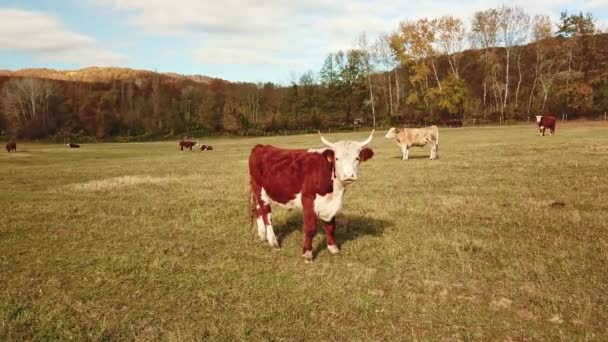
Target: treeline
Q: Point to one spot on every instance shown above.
(503, 66)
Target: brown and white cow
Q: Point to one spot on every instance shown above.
(417, 137)
(313, 180)
(205, 147)
(545, 122)
(11, 146)
(187, 144)
(72, 145)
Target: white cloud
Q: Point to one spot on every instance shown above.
(45, 37)
(289, 34)
(597, 4)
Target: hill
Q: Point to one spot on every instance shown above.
(100, 74)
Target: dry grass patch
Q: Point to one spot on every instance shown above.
(122, 182)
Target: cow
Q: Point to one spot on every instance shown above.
(11, 146)
(418, 137)
(72, 145)
(545, 122)
(206, 147)
(313, 180)
(187, 144)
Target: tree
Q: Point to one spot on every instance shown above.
(513, 27)
(541, 34)
(484, 33)
(367, 57)
(26, 102)
(451, 37)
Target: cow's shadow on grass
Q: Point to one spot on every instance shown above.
(413, 157)
(348, 228)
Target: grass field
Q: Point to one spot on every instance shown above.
(504, 237)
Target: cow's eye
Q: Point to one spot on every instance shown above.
(357, 158)
(336, 159)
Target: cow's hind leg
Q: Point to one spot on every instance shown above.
(270, 236)
(264, 223)
(433, 151)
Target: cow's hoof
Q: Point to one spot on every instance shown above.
(333, 249)
(307, 257)
(273, 243)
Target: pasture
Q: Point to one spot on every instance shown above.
(505, 236)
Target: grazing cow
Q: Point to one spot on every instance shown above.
(418, 137)
(545, 122)
(11, 146)
(72, 145)
(187, 144)
(206, 148)
(313, 180)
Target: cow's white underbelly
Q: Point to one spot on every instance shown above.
(294, 203)
(325, 207)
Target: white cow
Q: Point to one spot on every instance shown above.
(418, 137)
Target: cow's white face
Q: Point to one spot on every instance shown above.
(538, 117)
(390, 134)
(346, 157)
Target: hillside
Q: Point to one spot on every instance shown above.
(100, 74)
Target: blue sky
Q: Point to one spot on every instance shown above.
(237, 40)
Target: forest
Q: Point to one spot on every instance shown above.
(504, 66)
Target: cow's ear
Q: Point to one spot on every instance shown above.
(366, 154)
(329, 155)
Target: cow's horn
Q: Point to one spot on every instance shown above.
(368, 140)
(325, 141)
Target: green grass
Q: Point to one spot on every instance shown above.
(474, 246)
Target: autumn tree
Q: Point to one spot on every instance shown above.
(451, 39)
(484, 34)
(26, 104)
(513, 28)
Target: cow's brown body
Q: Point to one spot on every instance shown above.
(186, 144)
(11, 146)
(545, 122)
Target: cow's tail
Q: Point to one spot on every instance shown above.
(252, 207)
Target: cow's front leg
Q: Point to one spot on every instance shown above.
(309, 216)
(329, 228)
(405, 150)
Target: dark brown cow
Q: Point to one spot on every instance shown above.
(187, 144)
(545, 122)
(11, 146)
(72, 145)
(313, 180)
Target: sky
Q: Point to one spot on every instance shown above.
(236, 40)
